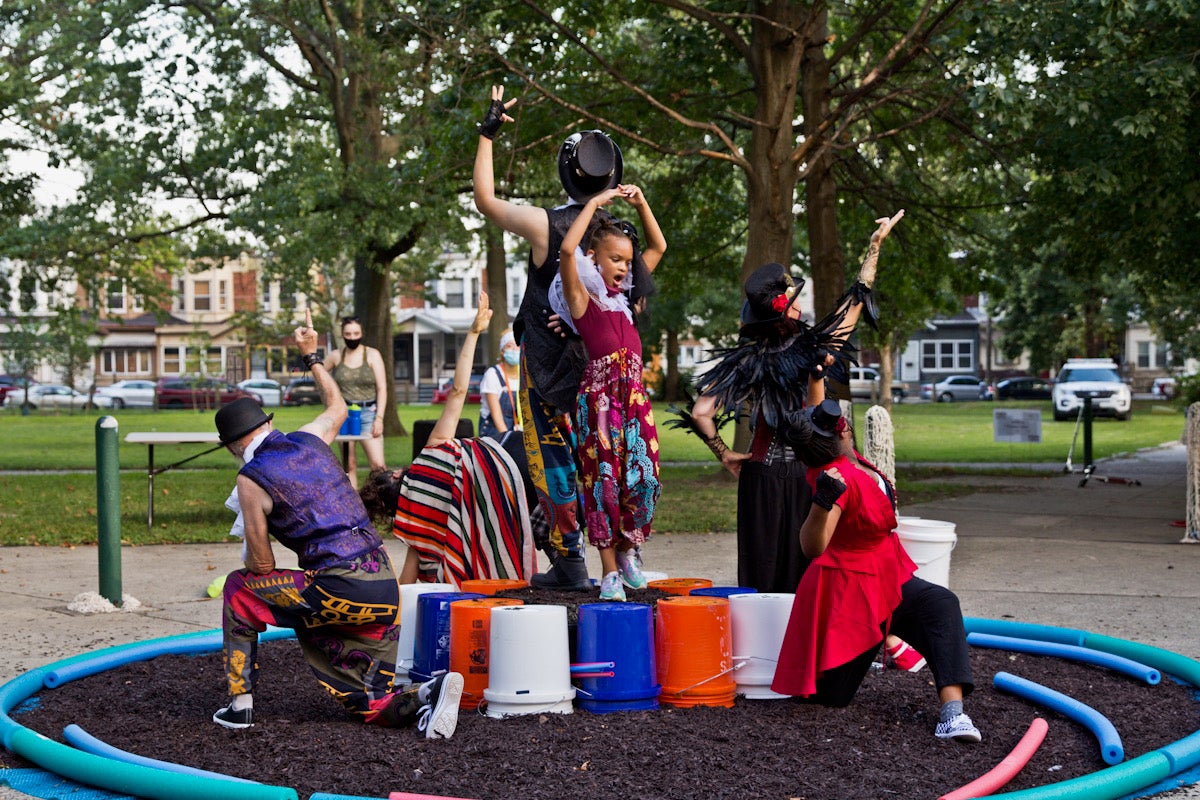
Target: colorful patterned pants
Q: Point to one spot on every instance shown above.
(550, 451)
(345, 620)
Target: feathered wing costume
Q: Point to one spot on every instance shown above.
(766, 373)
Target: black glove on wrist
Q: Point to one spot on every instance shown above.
(828, 490)
(492, 120)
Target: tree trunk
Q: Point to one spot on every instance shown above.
(886, 372)
(670, 383)
(497, 289)
(373, 306)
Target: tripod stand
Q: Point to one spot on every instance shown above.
(1089, 468)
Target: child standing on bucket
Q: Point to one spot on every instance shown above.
(618, 447)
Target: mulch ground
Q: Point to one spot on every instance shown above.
(882, 745)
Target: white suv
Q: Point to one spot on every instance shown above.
(1094, 377)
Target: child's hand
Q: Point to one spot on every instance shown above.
(606, 197)
(483, 315)
(632, 194)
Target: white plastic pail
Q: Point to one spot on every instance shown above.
(758, 621)
(530, 667)
(929, 543)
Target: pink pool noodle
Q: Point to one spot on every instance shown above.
(1008, 767)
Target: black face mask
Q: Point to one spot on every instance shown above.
(352, 343)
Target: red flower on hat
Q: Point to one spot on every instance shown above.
(780, 303)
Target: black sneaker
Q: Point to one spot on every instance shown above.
(228, 718)
(439, 716)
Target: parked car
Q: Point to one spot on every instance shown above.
(1024, 388)
(52, 395)
(129, 393)
(956, 387)
(10, 382)
(1097, 378)
(270, 393)
(473, 396)
(1164, 388)
(864, 384)
(197, 393)
(301, 392)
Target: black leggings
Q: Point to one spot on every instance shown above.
(928, 618)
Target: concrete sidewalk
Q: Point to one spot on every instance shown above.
(1105, 557)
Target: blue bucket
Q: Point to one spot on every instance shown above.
(431, 642)
(722, 591)
(622, 633)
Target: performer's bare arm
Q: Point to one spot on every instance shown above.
(328, 422)
(447, 424)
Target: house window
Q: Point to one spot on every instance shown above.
(222, 296)
(266, 295)
(201, 296)
(180, 294)
(172, 360)
(116, 295)
(124, 361)
(948, 356)
(454, 289)
(1162, 358)
(1143, 355)
(214, 361)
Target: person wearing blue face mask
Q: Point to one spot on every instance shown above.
(498, 411)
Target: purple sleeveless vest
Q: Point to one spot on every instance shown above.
(316, 512)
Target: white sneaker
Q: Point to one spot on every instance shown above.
(439, 716)
(630, 568)
(611, 588)
(959, 728)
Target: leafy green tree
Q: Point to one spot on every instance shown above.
(71, 344)
(1098, 103)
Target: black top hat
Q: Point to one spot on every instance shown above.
(588, 163)
(770, 290)
(239, 418)
(825, 417)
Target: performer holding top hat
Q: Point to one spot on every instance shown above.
(344, 598)
(552, 365)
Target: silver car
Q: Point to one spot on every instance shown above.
(269, 392)
(956, 387)
(129, 393)
(52, 395)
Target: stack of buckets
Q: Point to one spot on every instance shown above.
(928, 543)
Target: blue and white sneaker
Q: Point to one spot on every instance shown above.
(629, 565)
(611, 588)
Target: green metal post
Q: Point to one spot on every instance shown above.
(108, 509)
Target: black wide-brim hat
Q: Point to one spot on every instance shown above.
(764, 288)
(588, 163)
(239, 418)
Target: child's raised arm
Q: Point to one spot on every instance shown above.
(656, 243)
(573, 289)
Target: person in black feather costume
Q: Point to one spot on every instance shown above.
(765, 376)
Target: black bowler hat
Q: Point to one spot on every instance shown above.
(239, 418)
(588, 163)
(825, 417)
(770, 290)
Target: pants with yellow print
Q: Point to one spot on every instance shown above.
(345, 618)
(550, 453)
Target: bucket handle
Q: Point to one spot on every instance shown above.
(703, 681)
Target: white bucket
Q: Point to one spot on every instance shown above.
(929, 543)
(758, 621)
(409, 592)
(530, 667)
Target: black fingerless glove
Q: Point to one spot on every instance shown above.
(828, 490)
(492, 120)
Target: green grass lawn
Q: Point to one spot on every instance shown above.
(60, 508)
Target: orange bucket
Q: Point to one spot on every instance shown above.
(470, 630)
(490, 586)
(680, 586)
(694, 652)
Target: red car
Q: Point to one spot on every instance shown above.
(442, 392)
(197, 393)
